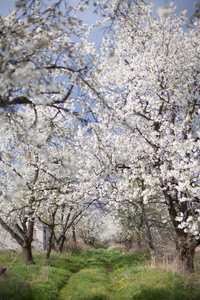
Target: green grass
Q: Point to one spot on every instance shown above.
(38, 282)
(112, 275)
(98, 274)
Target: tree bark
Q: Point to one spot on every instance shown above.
(61, 243)
(28, 256)
(24, 239)
(74, 233)
(186, 244)
(138, 241)
(186, 250)
(154, 256)
(50, 242)
(128, 243)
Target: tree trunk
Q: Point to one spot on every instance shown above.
(74, 233)
(49, 243)
(26, 240)
(128, 243)
(186, 250)
(138, 241)
(61, 243)
(186, 244)
(27, 251)
(26, 245)
(154, 256)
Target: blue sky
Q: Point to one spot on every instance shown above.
(5, 5)
(89, 17)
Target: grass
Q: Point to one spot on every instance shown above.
(112, 275)
(96, 274)
(38, 282)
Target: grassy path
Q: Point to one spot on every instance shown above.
(95, 280)
(111, 275)
(97, 274)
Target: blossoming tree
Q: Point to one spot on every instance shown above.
(148, 107)
(36, 167)
(145, 117)
(44, 55)
(43, 60)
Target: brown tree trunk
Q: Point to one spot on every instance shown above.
(28, 257)
(128, 243)
(50, 242)
(61, 243)
(25, 240)
(26, 245)
(138, 241)
(154, 256)
(186, 244)
(186, 250)
(74, 233)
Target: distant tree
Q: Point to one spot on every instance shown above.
(98, 225)
(145, 220)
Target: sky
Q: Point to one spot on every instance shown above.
(6, 5)
(89, 17)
